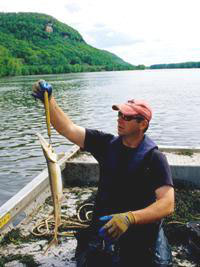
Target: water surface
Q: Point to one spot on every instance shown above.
(87, 98)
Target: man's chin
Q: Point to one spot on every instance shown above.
(120, 133)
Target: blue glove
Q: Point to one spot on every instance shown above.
(102, 230)
(39, 88)
(102, 233)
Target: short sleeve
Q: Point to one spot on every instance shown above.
(96, 142)
(160, 170)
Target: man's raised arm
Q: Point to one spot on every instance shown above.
(59, 120)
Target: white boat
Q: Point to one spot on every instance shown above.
(80, 174)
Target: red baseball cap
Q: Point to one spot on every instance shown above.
(135, 107)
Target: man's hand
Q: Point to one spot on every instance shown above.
(39, 88)
(117, 225)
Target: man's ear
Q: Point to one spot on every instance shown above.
(144, 124)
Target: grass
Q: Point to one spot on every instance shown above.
(186, 153)
(14, 236)
(26, 259)
(187, 208)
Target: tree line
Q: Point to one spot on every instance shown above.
(184, 65)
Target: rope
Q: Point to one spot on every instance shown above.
(86, 214)
(176, 222)
(184, 223)
(46, 226)
(84, 217)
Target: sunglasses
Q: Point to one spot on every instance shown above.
(129, 117)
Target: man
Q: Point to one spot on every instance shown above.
(135, 190)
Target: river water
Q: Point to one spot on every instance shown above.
(87, 98)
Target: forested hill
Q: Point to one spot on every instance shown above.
(33, 43)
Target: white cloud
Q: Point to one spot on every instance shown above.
(104, 37)
(139, 31)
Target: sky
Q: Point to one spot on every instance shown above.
(139, 31)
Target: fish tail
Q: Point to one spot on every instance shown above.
(54, 241)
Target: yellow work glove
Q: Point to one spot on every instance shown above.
(117, 225)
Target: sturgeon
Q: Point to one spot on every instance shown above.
(56, 186)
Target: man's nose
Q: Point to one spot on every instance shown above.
(120, 120)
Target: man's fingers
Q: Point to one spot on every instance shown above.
(104, 230)
(111, 230)
(35, 90)
(108, 225)
(113, 233)
(36, 85)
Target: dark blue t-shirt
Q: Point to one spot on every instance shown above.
(126, 181)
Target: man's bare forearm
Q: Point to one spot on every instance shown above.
(163, 207)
